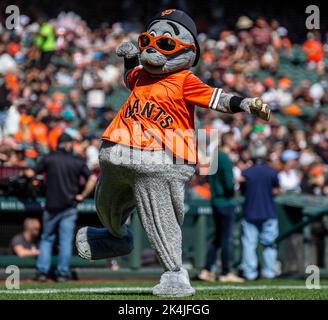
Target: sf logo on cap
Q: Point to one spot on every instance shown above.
(166, 12)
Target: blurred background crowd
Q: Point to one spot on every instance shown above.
(58, 74)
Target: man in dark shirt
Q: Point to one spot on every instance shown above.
(63, 171)
(259, 184)
(26, 244)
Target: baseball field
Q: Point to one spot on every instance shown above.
(279, 289)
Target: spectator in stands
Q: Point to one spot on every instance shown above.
(46, 42)
(302, 93)
(259, 184)
(283, 92)
(270, 94)
(4, 105)
(289, 177)
(261, 33)
(63, 171)
(223, 206)
(92, 153)
(74, 102)
(26, 244)
(316, 182)
(313, 49)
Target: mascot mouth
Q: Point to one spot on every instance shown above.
(152, 66)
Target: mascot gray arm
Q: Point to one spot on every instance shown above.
(130, 53)
(229, 103)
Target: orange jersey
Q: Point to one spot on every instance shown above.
(159, 113)
(314, 50)
(53, 137)
(39, 133)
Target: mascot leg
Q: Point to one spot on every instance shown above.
(114, 203)
(99, 243)
(160, 204)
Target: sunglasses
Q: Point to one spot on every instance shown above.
(163, 44)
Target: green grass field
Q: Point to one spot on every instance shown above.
(255, 290)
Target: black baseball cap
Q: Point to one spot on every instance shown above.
(64, 137)
(183, 19)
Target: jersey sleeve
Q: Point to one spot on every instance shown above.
(132, 77)
(198, 93)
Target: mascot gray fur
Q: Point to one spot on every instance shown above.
(156, 191)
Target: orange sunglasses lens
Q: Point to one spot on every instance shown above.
(144, 41)
(166, 44)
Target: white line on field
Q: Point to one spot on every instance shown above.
(148, 289)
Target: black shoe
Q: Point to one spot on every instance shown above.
(41, 277)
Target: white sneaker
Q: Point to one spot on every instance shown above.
(174, 284)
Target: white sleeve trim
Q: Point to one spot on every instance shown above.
(215, 99)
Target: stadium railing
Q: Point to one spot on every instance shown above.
(296, 213)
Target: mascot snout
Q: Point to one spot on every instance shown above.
(151, 58)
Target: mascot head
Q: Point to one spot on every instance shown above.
(170, 43)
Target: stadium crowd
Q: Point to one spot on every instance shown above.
(82, 88)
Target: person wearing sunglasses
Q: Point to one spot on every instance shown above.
(164, 95)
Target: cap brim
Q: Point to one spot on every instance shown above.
(197, 53)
